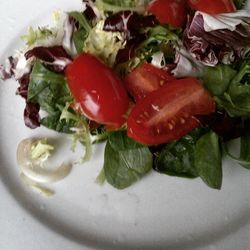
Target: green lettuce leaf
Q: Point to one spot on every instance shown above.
(125, 161)
(177, 158)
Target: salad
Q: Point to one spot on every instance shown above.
(164, 83)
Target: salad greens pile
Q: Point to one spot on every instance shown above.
(124, 36)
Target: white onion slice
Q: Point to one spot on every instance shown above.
(34, 169)
(36, 186)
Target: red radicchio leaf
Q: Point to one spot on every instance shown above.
(225, 126)
(22, 90)
(56, 57)
(31, 111)
(69, 27)
(7, 71)
(215, 46)
(89, 12)
(128, 22)
(31, 115)
(128, 52)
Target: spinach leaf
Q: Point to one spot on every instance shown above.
(47, 88)
(51, 92)
(217, 79)
(80, 35)
(236, 100)
(207, 158)
(54, 122)
(177, 158)
(244, 158)
(125, 161)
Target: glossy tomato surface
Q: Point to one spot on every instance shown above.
(167, 114)
(213, 6)
(101, 95)
(172, 12)
(145, 79)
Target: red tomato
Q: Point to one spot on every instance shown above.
(167, 114)
(101, 95)
(145, 79)
(173, 12)
(213, 6)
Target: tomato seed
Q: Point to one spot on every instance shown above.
(170, 126)
(182, 120)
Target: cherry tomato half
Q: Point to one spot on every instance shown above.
(173, 12)
(101, 95)
(145, 79)
(213, 6)
(168, 113)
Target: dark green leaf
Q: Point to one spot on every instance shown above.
(158, 38)
(53, 122)
(236, 100)
(82, 33)
(240, 4)
(79, 38)
(208, 161)
(120, 142)
(233, 108)
(217, 79)
(51, 92)
(81, 19)
(47, 88)
(177, 158)
(125, 161)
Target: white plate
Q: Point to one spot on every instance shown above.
(159, 212)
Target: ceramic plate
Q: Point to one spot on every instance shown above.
(158, 212)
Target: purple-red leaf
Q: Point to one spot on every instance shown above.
(31, 115)
(56, 56)
(225, 126)
(128, 22)
(22, 90)
(129, 51)
(221, 45)
(89, 12)
(7, 71)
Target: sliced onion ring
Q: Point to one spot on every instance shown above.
(34, 169)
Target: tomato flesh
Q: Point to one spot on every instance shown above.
(168, 113)
(145, 79)
(100, 94)
(212, 6)
(173, 12)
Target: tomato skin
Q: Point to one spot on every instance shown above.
(145, 79)
(101, 95)
(168, 113)
(173, 12)
(212, 6)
